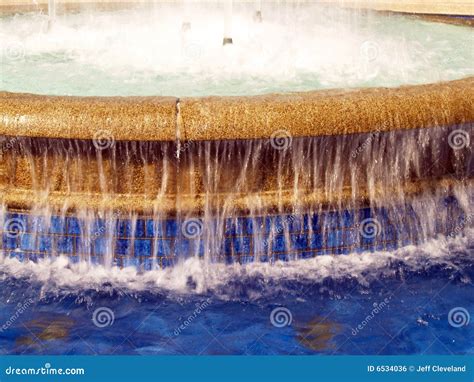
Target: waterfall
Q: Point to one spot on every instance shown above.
(228, 22)
(269, 196)
(51, 12)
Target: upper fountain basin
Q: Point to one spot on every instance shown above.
(146, 51)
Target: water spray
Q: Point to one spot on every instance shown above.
(51, 13)
(228, 23)
(258, 13)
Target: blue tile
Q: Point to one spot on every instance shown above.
(154, 228)
(148, 264)
(142, 247)
(335, 239)
(246, 259)
(123, 229)
(316, 241)
(122, 247)
(348, 219)
(299, 242)
(315, 220)
(351, 237)
(130, 262)
(100, 246)
(73, 226)
(37, 224)
(9, 242)
(332, 220)
(44, 243)
(228, 246)
(99, 228)
(140, 230)
(28, 242)
(57, 225)
(298, 223)
(167, 262)
(279, 244)
(35, 257)
(20, 256)
(64, 244)
(164, 248)
(242, 245)
(172, 229)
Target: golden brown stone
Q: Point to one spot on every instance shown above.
(331, 112)
(116, 118)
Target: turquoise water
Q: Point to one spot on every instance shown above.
(414, 301)
(295, 48)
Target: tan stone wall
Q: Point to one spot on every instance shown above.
(444, 7)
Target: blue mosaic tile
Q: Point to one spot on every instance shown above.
(164, 248)
(73, 226)
(154, 228)
(140, 228)
(316, 241)
(99, 228)
(142, 247)
(279, 244)
(45, 243)
(123, 229)
(57, 225)
(122, 247)
(242, 245)
(299, 242)
(100, 246)
(10, 242)
(64, 244)
(171, 228)
(28, 242)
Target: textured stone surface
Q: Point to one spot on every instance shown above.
(117, 118)
(453, 7)
(331, 112)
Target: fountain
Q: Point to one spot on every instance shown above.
(228, 23)
(149, 181)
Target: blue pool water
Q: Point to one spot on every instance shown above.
(414, 300)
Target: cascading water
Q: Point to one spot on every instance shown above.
(230, 214)
(258, 200)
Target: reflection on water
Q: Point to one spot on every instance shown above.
(318, 334)
(49, 327)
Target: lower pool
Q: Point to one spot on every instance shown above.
(416, 300)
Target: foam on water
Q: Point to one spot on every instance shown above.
(193, 276)
(146, 52)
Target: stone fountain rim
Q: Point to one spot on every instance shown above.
(301, 114)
